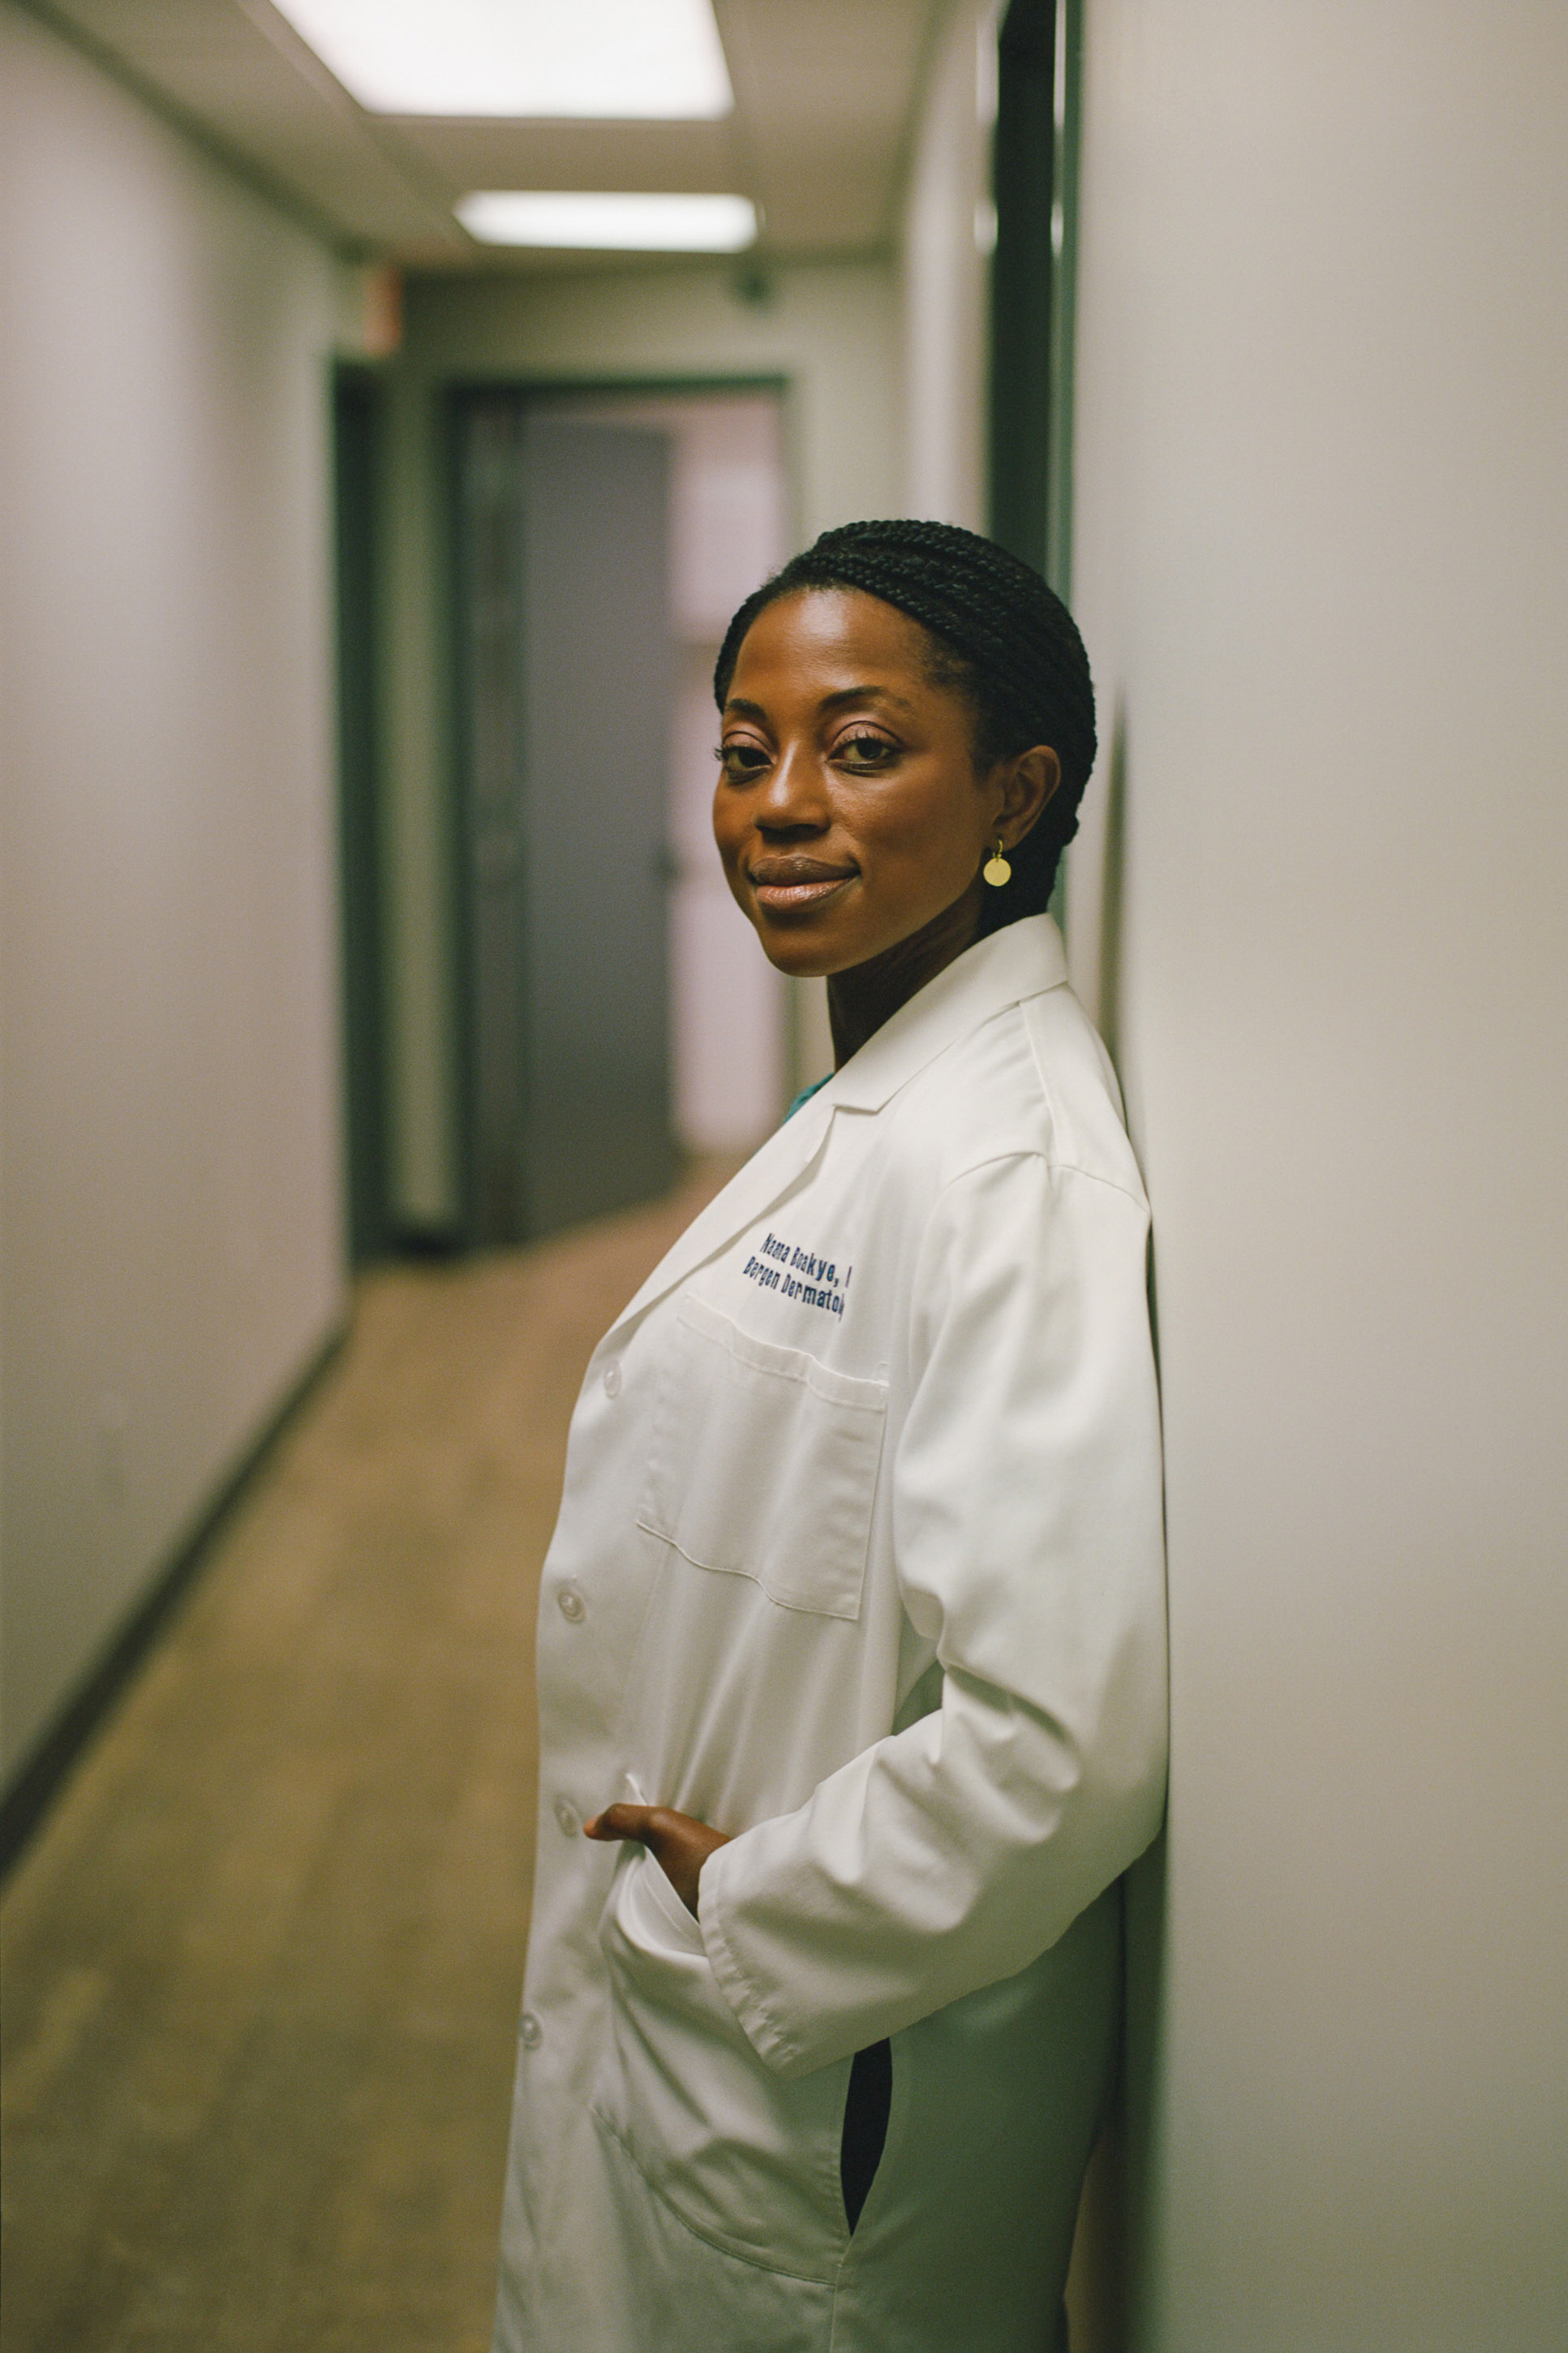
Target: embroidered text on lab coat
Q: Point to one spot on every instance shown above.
(798, 1274)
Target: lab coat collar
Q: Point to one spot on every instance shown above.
(1020, 961)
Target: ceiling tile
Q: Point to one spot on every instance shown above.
(139, 27)
(675, 156)
(823, 88)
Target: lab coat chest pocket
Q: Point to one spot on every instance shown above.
(763, 1464)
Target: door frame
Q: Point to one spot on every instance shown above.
(357, 399)
(1034, 293)
(1034, 281)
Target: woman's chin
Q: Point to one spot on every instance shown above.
(802, 957)
(806, 942)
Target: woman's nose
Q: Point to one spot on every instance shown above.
(792, 797)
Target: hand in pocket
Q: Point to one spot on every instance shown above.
(678, 1844)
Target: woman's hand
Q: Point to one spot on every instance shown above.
(678, 1843)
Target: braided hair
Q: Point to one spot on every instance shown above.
(998, 636)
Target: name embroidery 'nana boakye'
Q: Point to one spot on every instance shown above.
(797, 1275)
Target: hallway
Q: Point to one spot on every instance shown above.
(263, 1963)
(1247, 330)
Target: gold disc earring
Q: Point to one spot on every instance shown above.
(997, 870)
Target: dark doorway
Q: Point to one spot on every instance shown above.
(356, 434)
(566, 684)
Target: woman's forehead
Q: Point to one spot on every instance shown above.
(812, 635)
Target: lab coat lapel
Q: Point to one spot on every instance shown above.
(1019, 962)
(766, 1178)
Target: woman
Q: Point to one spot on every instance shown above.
(851, 1648)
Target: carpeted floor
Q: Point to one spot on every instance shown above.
(263, 1960)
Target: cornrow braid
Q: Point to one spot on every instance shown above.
(999, 637)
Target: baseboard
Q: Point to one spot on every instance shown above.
(43, 1774)
(434, 1242)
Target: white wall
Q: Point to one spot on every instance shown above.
(1321, 539)
(169, 1082)
(830, 331)
(948, 231)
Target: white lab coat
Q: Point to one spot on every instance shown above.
(858, 1559)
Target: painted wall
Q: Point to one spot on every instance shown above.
(1322, 517)
(169, 1082)
(829, 329)
(948, 231)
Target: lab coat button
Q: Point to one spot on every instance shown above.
(530, 2034)
(612, 1380)
(567, 1816)
(571, 1604)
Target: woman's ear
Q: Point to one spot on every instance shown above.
(1028, 782)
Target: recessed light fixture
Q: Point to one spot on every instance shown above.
(656, 59)
(609, 222)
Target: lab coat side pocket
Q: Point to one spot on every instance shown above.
(747, 2160)
(682, 1926)
(763, 1464)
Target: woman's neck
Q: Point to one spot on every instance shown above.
(861, 999)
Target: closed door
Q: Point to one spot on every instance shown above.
(568, 694)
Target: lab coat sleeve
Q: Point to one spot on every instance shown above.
(1028, 1548)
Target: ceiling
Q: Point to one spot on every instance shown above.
(824, 92)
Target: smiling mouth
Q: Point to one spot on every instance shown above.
(786, 885)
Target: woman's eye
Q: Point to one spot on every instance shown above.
(742, 761)
(866, 751)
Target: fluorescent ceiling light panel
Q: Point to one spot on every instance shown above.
(609, 224)
(659, 60)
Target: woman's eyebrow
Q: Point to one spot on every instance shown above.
(738, 707)
(864, 694)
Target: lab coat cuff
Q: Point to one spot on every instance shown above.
(769, 2038)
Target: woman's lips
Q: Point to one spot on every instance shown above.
(786, 885)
